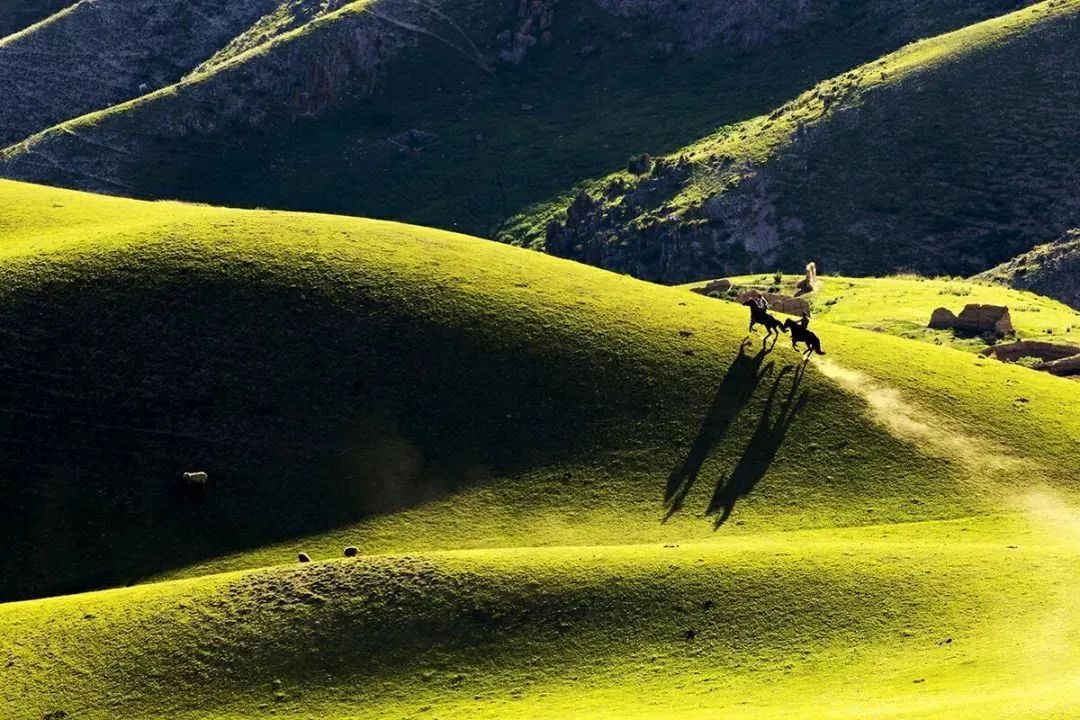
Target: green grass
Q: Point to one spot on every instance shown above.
(981, 116)
(495, 428)
(901, 306)
(542, 127)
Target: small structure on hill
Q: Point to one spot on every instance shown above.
(1064, 367)
(991, 321)
(1045, 351)
(1056, 358)
(780, 303)
(809, 283)
(715, 288)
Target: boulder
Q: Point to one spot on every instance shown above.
(990, 321)
(942, 319)
(985, 319)
(715, 288)
(1045, 351)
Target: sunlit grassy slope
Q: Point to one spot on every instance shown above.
(901, 306)
(900, 540)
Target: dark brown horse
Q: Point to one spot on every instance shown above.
(760, 315)
(800, 334)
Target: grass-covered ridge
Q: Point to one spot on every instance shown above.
(498, 430)
(380, 366)
(983, 117)
(916, 621)
(307, 109)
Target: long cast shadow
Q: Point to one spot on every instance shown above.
(762, 448)
(737, 386)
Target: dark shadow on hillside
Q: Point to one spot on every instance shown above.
(738, 385)
(762, 448)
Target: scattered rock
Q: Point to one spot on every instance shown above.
(639, 164)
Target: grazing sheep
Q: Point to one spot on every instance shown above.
(196, 478)
(351, 551)
(303, 557)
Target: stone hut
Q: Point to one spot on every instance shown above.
(987, 320)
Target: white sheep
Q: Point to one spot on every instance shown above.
(196, 478)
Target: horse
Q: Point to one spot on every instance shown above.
(759, 315)
(800, 334)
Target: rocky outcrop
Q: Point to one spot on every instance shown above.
(766, 193)
(985, 320)
(103, 52)
(532, 26)
(1052, 270)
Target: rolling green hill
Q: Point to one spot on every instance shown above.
(946, 157)
(404, 110)
(535, 458)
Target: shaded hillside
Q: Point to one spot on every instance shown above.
(440, 114)
(948, 156)
(124, 49)
(1052, 269)
(17, 15)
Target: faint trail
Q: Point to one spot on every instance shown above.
(933, 434)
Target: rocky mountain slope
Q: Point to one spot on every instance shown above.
(18, 15)
(100, 53)
(461, 113)
(947, 157)
(1052, 269)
